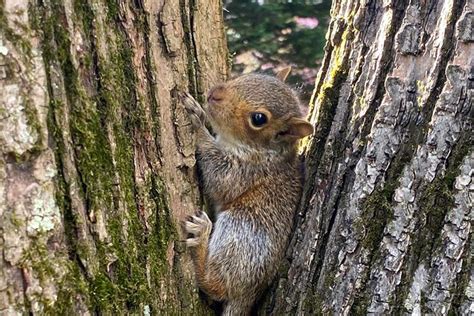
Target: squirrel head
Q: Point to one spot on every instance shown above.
(257, 111)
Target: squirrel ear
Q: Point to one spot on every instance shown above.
(297, 128)
(282, 74)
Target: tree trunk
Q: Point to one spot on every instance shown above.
(385, 223)
(97, 165)
(96, 155)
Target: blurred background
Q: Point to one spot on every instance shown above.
(265, 36)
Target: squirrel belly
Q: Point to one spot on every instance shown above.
(250, 237)
(251, 174)
(256, 195)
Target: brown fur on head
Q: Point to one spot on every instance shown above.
(232, 108)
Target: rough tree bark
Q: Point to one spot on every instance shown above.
(96, 154)
(385, 223)
(97, 166)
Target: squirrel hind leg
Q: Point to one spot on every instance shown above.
(238, 308)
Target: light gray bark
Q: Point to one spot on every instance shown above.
(385, 223)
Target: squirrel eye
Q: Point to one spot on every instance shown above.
(258, 119)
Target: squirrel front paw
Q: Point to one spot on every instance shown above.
(199, 226)
(194, 109)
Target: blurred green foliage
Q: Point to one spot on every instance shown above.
(271, 30)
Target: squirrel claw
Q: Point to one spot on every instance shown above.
(192, 228)
(199, 226)
(194, 109)
(192, 242)
(195, 120)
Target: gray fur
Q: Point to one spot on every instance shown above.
(255, 192)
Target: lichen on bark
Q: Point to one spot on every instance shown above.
(379, 184)
(93, 180)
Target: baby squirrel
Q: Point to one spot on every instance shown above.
(251, 173)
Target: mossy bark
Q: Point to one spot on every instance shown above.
(97, 165)
(97, 159)
(385, 223)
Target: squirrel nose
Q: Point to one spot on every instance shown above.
(216, 94)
